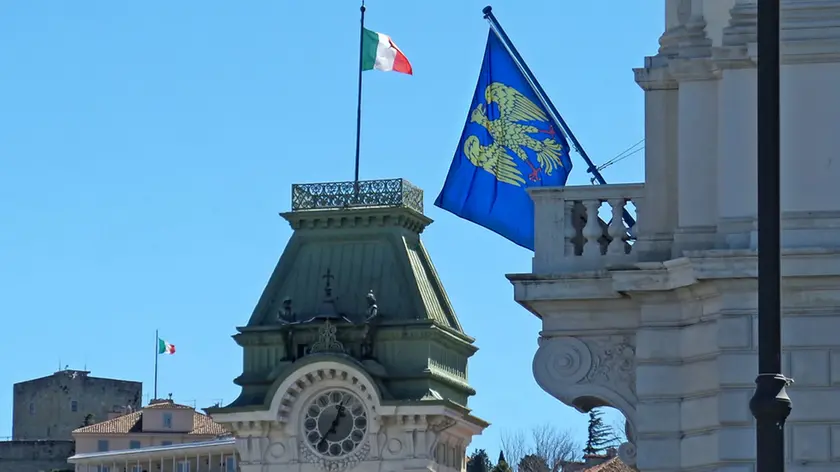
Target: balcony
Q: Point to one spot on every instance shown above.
(568, 240)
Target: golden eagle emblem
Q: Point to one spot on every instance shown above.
(511, 133)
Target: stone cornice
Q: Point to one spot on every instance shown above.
(356, 219)
(810, 33)
(651, 79)
(689, 70)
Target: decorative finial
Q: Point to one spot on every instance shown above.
(327, 288)
(170, 397)
(487, 10)
(327, 341)
(327, 308)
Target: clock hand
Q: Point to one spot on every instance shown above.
(339, 413)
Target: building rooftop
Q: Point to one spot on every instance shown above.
(74, 374)
(613, 465)
(203, 425)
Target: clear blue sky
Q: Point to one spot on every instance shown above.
(147, 147)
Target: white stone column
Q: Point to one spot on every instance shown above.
(697, 133)
(810, 100)
(660, 211)
(660, 214)
(737, 135)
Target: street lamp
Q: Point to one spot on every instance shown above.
(770, 404)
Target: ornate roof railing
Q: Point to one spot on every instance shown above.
(361, 194)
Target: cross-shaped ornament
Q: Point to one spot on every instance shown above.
(328, 277)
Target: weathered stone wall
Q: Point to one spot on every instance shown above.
(35, 456)
(52, 407)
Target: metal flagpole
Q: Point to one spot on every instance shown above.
(359, 100)
(157, 354)
(592, 169)
(770, 404)
(526, 71)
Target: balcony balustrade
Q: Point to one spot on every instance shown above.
(567, 239)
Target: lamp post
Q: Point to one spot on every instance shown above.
(770, 404)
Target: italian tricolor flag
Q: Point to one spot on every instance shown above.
(165, 348)
(379, 52)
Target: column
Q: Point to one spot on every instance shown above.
(737, 135)
(655, 235)
(697, 131)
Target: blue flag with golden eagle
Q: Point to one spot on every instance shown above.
(510, 143)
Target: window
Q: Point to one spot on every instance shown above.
(134, 444)
(230, 464)
(102, 445)
(74, 406)
(31, 408)
(103, 468)
(137, 468)
(166, 443)
(183, 466)
(167, 420)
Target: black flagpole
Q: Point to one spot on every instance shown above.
(359, 102)
(770, 404)
(526, 71)
(488, 14)
(157, 354)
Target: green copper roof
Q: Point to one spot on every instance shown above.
(356, 283)
(373, 245)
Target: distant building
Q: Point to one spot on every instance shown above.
(608, 462)
(52, 407)
(46, 410)
(35, 455)
(142, 440)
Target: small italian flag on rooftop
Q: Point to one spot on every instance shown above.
(165, 348)
(379, 52)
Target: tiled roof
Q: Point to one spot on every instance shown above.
(612, 465)
(168, 404)
(130, 423)
(203, 425)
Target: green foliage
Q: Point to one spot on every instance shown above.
(89, 420)
(479, 461)
(600, 436)
(502, 466)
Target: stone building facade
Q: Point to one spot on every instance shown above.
(52, 407)
(35, 456)
(660, 320)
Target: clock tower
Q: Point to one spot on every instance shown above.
(354, 359)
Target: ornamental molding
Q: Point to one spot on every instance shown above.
(586, 372)
(692, 70)
(810, 33)
(334, 464)
(290, 397)
(652, 79)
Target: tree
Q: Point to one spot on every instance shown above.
(479, 461)
(533, 463)
(548, 445)
(89, 420)
(619, 430)
(501, 465)
(600, 436)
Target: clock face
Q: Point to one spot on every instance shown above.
(335, 423)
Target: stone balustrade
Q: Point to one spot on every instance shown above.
(567, 239)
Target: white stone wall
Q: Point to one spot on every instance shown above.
(398, 438)
(680, 307)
